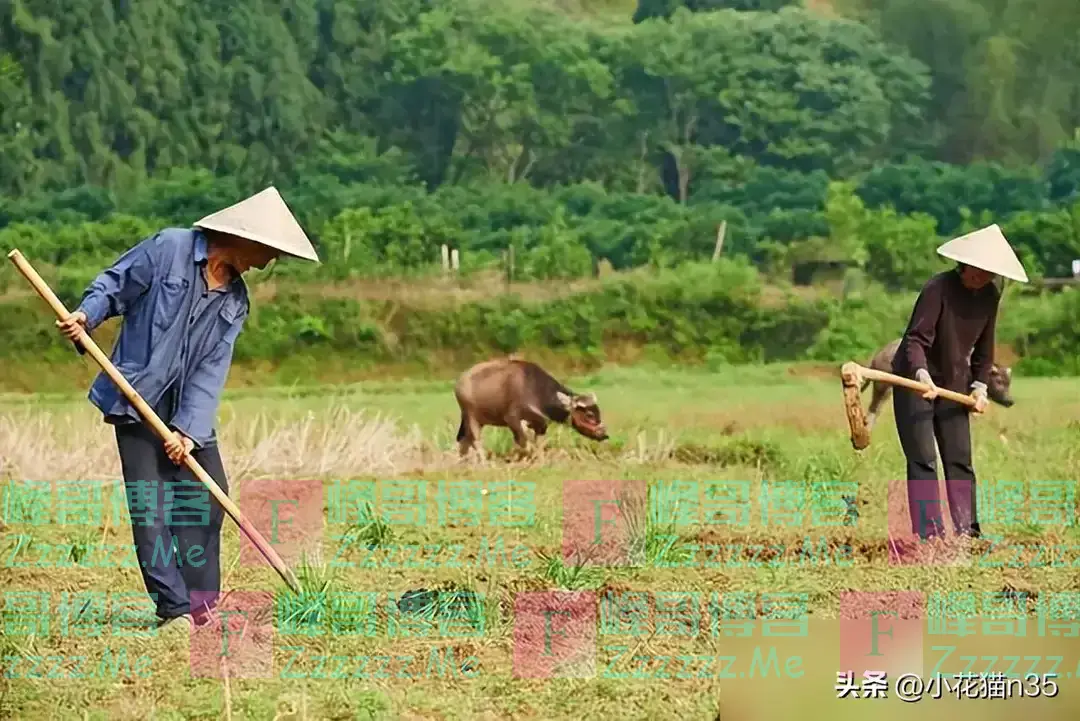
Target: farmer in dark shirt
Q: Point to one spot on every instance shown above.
(183, 303)
(949, 343)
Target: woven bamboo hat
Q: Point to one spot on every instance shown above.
(263, 218)
(987, 249)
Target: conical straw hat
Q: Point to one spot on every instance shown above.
(986, 249)
(263, 218)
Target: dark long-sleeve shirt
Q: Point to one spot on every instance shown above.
(949, 325)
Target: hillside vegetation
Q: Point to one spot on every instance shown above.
(571, 135)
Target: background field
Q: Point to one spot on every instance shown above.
(759, 423)
(585, 158)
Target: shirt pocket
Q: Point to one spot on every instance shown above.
(170, 299)
(230, 322)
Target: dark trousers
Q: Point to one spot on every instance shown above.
(175, 522)
(919, 423)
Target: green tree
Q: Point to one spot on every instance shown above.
(514, 85)
(647, 9)
(1003, 71)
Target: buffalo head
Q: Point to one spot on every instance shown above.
(584, 415)
(998, 387)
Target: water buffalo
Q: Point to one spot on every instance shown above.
(517, 394)
(997, 389)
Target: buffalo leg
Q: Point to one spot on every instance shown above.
(881, 392)
(539, 427)
(519, 427)
(535, 421)
(468, 434)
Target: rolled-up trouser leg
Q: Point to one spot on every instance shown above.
(915, 427)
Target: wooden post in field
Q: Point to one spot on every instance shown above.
(455, 265)
(720, 233)
(445, 258)
(509, 266)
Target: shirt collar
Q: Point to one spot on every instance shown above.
(201, 257)
(200, 247)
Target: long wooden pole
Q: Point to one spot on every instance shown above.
(152, 418)
(872, 374)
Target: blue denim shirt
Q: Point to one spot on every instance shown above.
(165, 341)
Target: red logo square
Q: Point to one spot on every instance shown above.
(237, 638)
(555, 634)
(882, 631)
(604, 522)
(920, 531)
(288, 514)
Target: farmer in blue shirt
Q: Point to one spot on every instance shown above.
(183, 303)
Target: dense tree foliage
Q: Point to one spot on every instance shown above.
(466, 90)
(647, 9)
(1003, 71)
(861, 131)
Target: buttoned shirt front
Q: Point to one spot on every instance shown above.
(177, 335)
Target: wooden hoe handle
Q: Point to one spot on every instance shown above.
(152, 418)
(870, 374)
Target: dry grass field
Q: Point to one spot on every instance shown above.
(728, 586)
